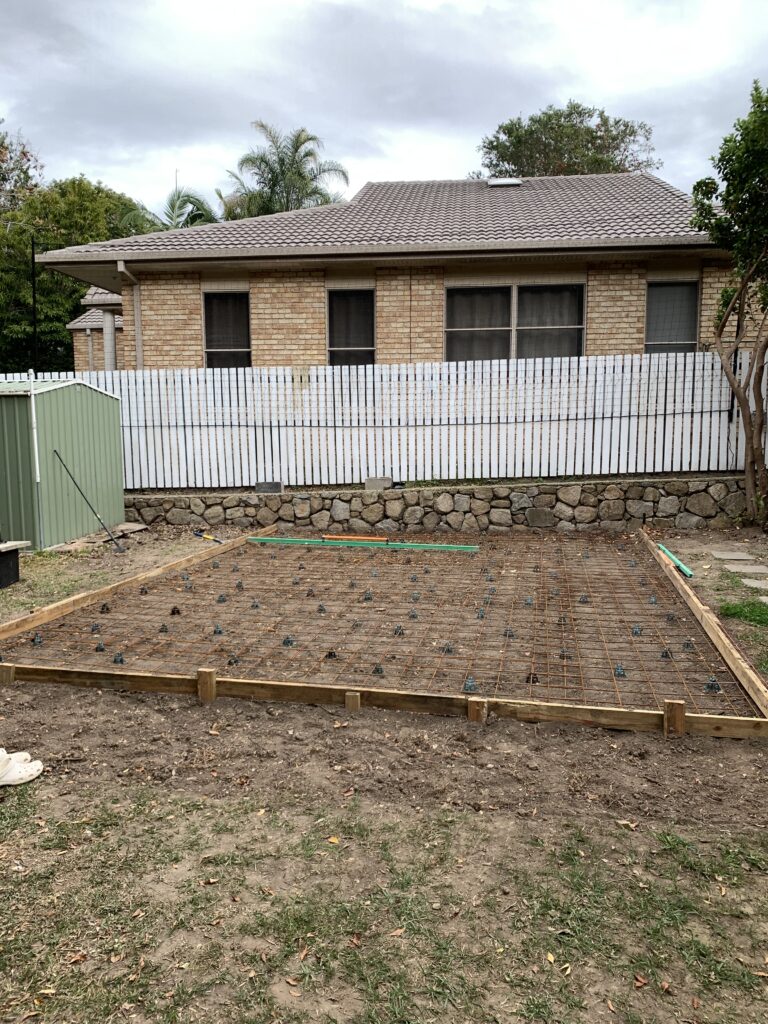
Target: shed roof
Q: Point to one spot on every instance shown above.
(555, 213)
(21, 387)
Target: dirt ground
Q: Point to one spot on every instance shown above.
(259, 863)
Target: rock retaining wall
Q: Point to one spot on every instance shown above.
(615, 505)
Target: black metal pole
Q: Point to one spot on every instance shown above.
(34, 308)
(85, 499)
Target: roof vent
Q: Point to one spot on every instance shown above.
(504, 182)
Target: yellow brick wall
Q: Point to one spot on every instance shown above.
(80, 347)
(288, 318)
(713, 279)
(80, 350)
(171, 321)
(615, 313)
(410, 309)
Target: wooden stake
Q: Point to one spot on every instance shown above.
(477, 710)
(674, 718)
(206, 685)
(7, 674)
(352, 700)
(394, 700)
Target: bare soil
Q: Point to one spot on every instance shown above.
(255, 863)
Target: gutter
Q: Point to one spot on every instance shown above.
(136, 288)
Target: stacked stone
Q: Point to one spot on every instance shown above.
(614, 507)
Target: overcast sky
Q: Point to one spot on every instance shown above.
(132, 92)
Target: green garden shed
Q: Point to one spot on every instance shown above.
(46, 425)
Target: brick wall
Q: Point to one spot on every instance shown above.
(171, 322)
(80, 348)
(409, 315)
(714, 278)
(615, 314)
(288, 318)
(288, 315)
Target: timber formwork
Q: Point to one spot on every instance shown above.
(542, 628)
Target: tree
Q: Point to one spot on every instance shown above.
(734, 212)
(574, 139)
(20, 170)
(286, 174)
(72, 211)
(183, 209)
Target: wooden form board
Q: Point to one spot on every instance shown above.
(208, 687)
(82, 600)
(734, 659)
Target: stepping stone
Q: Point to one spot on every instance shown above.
(756, 584)
(756, 570)
(724, 553)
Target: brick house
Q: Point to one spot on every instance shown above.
(409, 271)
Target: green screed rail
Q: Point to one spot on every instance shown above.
(397, 545)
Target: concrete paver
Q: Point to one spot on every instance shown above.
(734, 556)
(755, 570)
(756, 584)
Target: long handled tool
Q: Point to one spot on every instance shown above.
(90, 506)
(207, 536)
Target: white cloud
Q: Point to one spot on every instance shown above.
(131, 93)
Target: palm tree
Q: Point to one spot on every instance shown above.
(286, 174)
(183, 209)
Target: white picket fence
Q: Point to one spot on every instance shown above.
(425, 421)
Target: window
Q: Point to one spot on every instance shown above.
(671, 317)
(227, 332)
(478, 323)
(350, 327)
(550, 321)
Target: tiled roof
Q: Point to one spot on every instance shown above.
(92, 318)
(579, 211)
(101, 297)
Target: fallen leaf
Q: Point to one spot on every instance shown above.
(397, 932)
(610, 1006)
(624, 823)
(349, 792)
(640, 981)
(665, 987)
(303, 953)
(211, 881)
(566, 969)
(333, 840)
(214, 730)
(355, 940)
(550, 957)
(695, 1003)
(292, 982)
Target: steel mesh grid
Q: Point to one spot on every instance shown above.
(544, 617)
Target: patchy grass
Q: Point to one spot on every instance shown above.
(153, 908)
(751, 611)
